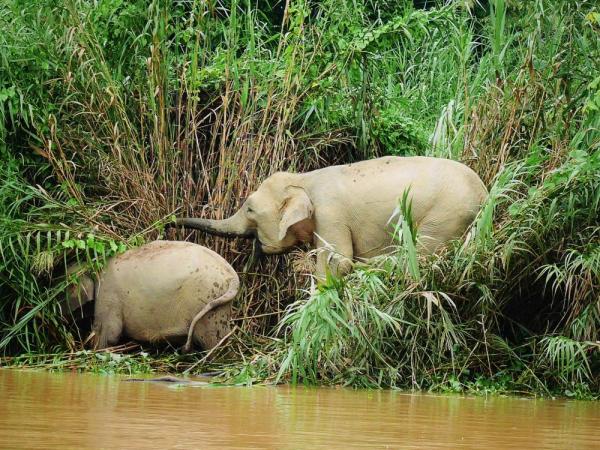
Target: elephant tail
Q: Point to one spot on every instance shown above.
(228, 296)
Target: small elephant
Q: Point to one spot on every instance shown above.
(163, 290)
(348, 209)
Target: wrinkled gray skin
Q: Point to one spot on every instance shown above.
(164, 290)
(349, 210)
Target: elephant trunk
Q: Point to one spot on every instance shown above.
(235, 226)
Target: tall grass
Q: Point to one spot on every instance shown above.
(116, 115)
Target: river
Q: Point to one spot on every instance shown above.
(69, 410)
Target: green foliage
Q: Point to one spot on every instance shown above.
(138, 362)
(39, 236)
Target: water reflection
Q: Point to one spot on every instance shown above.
(41, 410)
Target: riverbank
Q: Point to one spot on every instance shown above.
(134, 362)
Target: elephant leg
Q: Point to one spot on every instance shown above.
(108, 324)
(335, 253)
(213, 327)
(434, 234)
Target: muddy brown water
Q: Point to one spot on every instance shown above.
(50, 410)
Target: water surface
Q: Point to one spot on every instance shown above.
(49, 410)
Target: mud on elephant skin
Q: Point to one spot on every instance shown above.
(346, 210)
(162, 291)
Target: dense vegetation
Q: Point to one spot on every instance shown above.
(115, 115)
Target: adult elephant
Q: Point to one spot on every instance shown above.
(348, 209)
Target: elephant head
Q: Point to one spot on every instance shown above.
(78, 293)
(279, 214)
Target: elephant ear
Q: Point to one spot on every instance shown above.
(297, 215)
